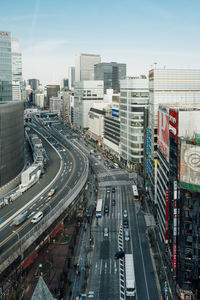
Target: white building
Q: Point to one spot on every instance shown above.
(85, 94)
(84, 66)
(134, 98)
(168, 86)
(39, 100)
(71, 77)
(16, 91)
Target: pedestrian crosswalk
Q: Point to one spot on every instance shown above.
(111, 173)
(116, 183)
(103, 266)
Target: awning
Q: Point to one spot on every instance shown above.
(29, 260)
(53, 234)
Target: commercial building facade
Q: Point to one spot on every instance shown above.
(167, 86)
(5, 66)
(111, 73)
(84, 66)
(16, 62)
(178, 192)
(86, 93)
(134, 98)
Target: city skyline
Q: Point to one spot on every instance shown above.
(138, 34)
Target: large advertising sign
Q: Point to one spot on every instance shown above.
(173, 123)
(190, 163)
(163, 132)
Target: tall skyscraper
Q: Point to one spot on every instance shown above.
(111, 73)
(134, 98)
(168, 86)
(84, 66)
(16, 61)
(71, 77)
(5, 66)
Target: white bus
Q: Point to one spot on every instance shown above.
(135, 193)
(99, 208)
(130, 275)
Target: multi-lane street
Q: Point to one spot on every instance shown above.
(64, 169)
(107, 275)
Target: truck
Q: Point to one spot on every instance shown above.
(20, 219)
(51, 193)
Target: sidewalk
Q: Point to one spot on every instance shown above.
(158, 253)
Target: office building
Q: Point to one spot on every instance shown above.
(16, 62)
(111, 138)
(178, 192)
(11, 144)
(134, 98)
(34, 83)
(52, 91)
(96, 123)
(71, 77)
(111, 73)
(85, 94)
(16, 91)
(5, 66)
(64, 83)
(167, 86)
(84, 66)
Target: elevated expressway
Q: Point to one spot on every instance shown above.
(18, 243)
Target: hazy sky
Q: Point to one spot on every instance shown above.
(136, 32)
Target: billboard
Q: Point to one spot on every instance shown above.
(190, 164)
(173, 123)
(163, 131)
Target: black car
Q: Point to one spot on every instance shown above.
(125, 223)
(119, 254)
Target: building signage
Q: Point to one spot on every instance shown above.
(166, 231)
(163, 132)
(151, 75)
(190, 164)
(173, 123)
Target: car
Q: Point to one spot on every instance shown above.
(113, 190)
(113, 201)
(119, 254)
(125, 223)
(106, 209)
(126, 235)
(125, 213)
(105, 232)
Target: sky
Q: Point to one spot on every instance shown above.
(140, 33)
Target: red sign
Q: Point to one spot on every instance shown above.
(151, 74)
(173, 123)
(174, 256)
(166, 231)
(163, 131)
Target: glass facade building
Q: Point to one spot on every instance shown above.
(134, 99)
(111, 73)
(5, 66)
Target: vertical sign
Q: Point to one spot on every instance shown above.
(166, 214)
